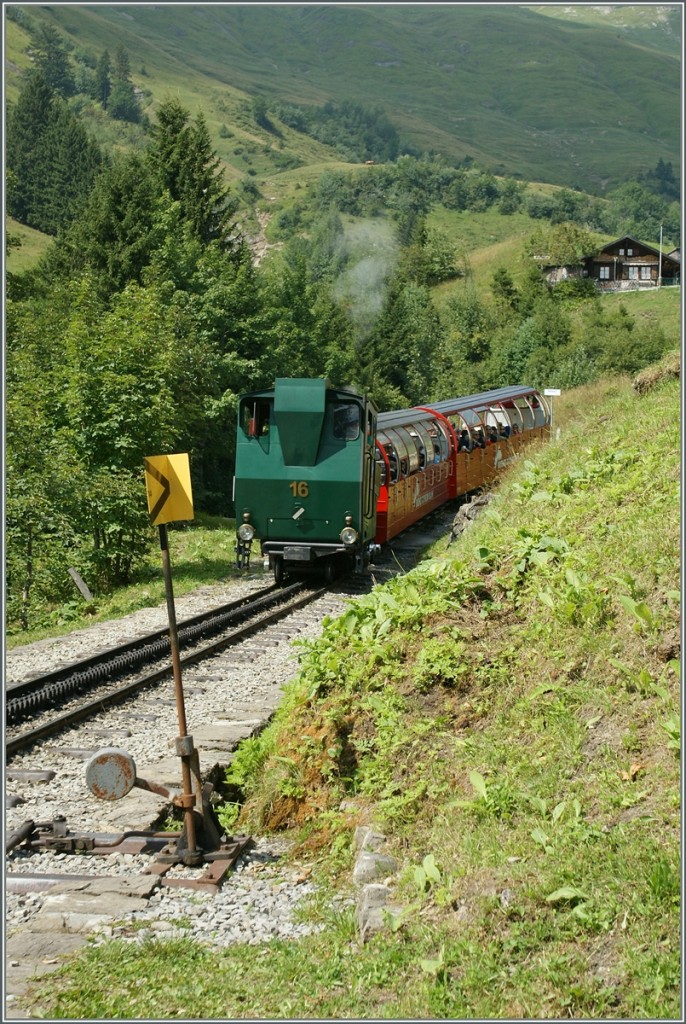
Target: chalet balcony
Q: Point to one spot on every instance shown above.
(633, 286)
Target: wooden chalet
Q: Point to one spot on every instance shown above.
(628, 264)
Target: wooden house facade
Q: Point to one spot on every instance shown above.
(628, 264)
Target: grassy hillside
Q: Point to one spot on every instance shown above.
(508, 715)
(512, 88)
(657, 26)
(32, 245)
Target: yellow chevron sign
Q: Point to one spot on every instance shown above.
(168, 485)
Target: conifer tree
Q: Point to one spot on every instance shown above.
(51, 59)
(52, 159)
(114, 235)
(103, 81)
(122, 102)
(27, 125)
(185, 164)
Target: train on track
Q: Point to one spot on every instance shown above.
(323, 480)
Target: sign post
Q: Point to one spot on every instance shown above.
(168, 486)
(552, 393)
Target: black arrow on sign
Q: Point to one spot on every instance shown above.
(166, 489)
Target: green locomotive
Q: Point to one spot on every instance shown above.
(306, 480)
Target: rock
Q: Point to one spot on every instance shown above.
(373, 895)
(669, 648)
(370, 866)
(467, 512)
(506, 898)
(367, 838)
(373, 911)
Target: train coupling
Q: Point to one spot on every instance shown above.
(373, 552)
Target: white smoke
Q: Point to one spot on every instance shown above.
(372, 252)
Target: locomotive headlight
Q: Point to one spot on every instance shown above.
(246, 532)
(348, 536)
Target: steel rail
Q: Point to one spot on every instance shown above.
(55, 687)
(189, 629)
(26, 739)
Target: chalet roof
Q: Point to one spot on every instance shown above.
(627, 241)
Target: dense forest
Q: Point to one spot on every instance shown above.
(147, 316)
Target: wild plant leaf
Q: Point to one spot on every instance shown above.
(384, 627)
(420, 879)
(558, 810)
(625, 581)
(645, 679)
(643, 612)
(573, 579)
(627, 603)
(539, 836)
(350, 621)
(547, 598)
(543, 688)
(540, 804)
(672, 727)
(430, 868)
(431, 966)
(566, 894)
(552, 543)
(541, 557)
(479, 784)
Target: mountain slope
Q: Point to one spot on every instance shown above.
(521, 92)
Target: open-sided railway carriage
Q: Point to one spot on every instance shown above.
(322, 480)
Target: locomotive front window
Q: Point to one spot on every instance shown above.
(255, 416)
(346, 421)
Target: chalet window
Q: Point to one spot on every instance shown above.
(621, 252)
(633, 273)
(630, 252)
(645, 273)
(604, 273)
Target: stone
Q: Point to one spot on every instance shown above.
(373, 912)
(367, 838)
(370, 866)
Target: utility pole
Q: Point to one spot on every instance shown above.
(659, 271)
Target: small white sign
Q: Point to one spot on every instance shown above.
(552, 391)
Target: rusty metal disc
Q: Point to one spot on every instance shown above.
(111, 773)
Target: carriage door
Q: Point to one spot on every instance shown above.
(370, 476)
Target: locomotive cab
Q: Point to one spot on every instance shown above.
(305, 485)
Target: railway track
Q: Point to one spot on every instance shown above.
(108, 678)
(42, 705)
